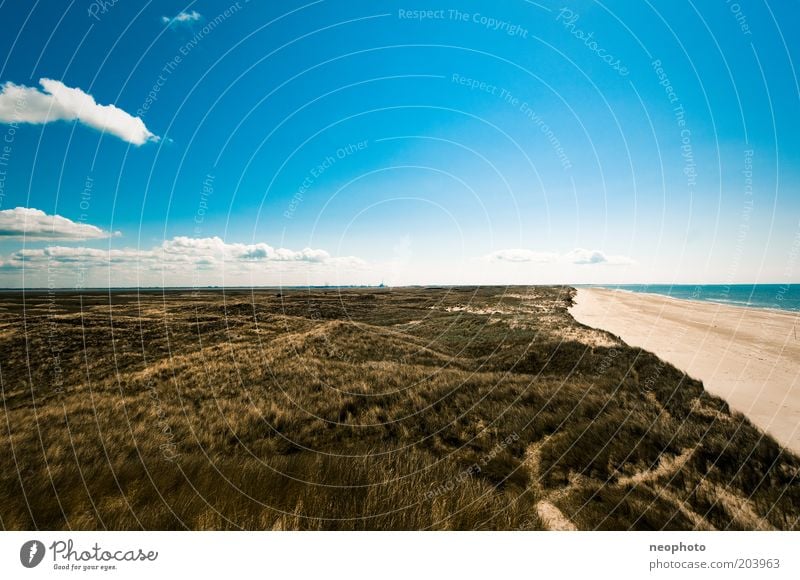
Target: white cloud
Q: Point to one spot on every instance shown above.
(517, 255)
(181, 252)
(191, 247)
(70, 255)
(33, 224)
(58, 102)
(578, 256)
(588, 257)
(182, 18)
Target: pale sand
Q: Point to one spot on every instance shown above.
(748, 356)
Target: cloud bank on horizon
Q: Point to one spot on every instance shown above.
(184, 260)
(58, 102)
(578, 256)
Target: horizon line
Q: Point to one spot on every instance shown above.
(383, 286)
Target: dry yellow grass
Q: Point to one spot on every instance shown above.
(362, 409)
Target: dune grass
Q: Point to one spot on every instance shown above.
(418, 408)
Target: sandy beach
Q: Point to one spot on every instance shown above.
(750, 357)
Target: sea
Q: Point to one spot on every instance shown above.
(775, 296)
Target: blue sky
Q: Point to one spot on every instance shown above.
(411, 143)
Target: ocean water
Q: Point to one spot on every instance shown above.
(778, 296)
